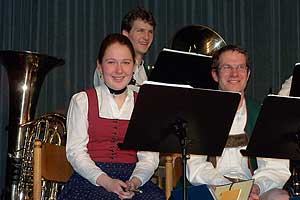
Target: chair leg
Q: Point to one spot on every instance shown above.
(37, 176)
(169, 176)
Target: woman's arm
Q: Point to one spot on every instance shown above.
(146, 165)
(77, 139)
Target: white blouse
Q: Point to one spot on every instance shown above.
(286, 87)
(77, 135)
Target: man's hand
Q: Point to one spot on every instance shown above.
(275, 193)
(114, 185)
(254, 195)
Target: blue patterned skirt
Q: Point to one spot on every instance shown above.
(80, 188)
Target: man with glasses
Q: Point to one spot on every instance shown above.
(231, 70)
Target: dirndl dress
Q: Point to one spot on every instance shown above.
(78, 188)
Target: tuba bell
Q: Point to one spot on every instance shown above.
(26, 72)
(197, 39)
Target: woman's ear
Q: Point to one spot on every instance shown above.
(99, 66)
(99, 70)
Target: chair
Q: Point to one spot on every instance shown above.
(173, 166)
(50, 163)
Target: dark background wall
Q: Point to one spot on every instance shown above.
(73, 29)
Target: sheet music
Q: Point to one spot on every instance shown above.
(166, 84)
(289, 97)
(185, 52)
(244, 187)
(184, 86)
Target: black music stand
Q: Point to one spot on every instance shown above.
(295, 164)
(277, 133)
(181, 120)
(277, 130)
(179, 67)
(295, 91)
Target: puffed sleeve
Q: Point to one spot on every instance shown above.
(271, 173)
(146, 165)
(200, 171)
(77, 139)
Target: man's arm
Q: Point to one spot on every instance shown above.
(271, 173)
(200, 171)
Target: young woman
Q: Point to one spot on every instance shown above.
(97, 121)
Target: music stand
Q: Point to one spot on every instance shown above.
(295, 92)
(181, 120)
(179, 67)
(295, 164)
(277, 130)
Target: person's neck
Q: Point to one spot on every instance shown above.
(120, 99)
(116, 92)
(118, 95)
(139, 59)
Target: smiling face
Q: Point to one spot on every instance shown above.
(233, 79)
(116, 66)
(141, 37)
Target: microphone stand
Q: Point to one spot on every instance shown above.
(180, 127)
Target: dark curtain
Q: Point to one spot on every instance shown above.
(73, 29)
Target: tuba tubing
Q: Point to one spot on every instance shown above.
(26, 72)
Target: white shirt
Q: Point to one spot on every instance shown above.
(139, 76)
(271, 173)
(77, 135)
(286, 87)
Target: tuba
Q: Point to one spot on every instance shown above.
(197, 39)
(26, 72)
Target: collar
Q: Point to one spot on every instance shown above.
(139, 65)
(115, 92)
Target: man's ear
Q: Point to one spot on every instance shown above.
(214, 75)
(249, 72)
(124, 32)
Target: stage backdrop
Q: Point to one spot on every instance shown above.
(73, 29)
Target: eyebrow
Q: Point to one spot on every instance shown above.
(127, 59)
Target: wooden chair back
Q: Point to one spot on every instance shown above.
(173, 167)
(50, 163)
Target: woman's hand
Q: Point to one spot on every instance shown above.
(115, 185)
(133, 183)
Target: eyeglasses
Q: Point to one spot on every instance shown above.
(228, 68)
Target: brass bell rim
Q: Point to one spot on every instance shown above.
(200, 39)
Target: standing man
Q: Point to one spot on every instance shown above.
(138, 25)
(231, 69)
